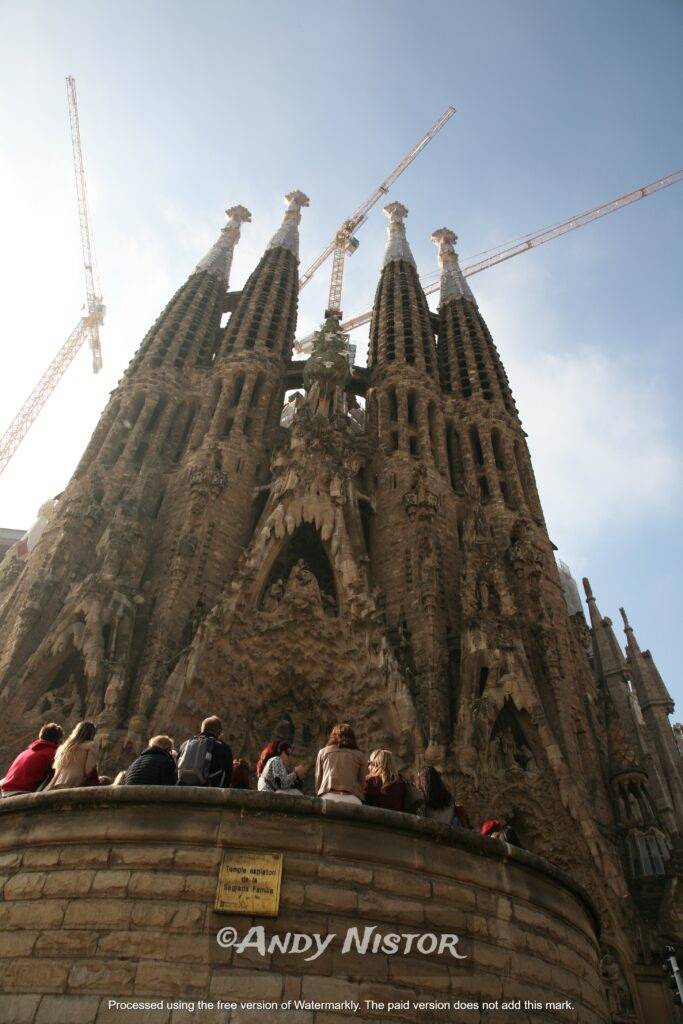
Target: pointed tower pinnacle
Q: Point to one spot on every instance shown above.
(218, 260)
(397, 243)
(650, 686)
(610, 656)
(287, 236)
(453, 283)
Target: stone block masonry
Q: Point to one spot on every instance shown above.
(86, 924)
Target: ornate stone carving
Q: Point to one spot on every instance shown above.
(618, 992)
(419, 502)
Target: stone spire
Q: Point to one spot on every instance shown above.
(656, 705)
(287, 235)
(650, 686)
(218, 260)
(609, 655)
(401, 331)
(453, 282)
(397, 243)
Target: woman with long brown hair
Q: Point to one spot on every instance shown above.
(340, 767)
(75, 763)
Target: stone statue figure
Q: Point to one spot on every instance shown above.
(302, 584)
(618, 992)
(273, 595)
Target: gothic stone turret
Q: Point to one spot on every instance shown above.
(413, 553)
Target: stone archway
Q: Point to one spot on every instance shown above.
(303, 565)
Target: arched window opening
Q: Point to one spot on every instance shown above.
(227, 426)
(131, 417)
(217, 388)
(256, 392)
(182, 440)
(521, 472)
(475, 444)
(483, 680)
(394, 440)
(454, 452)
(237, 389)
(259, 503)
(303, 568)
(106, 638)
(484, 489)
(505, 491)
(411, 406)
(159, 503)
(365, 510)
(433, 435)
(497, 445)
(413, 446)
(408, 340)
(139, 454)
(156, 414)
(393, 405)
(634, 804)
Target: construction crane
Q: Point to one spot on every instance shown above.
(524, 244)
(88, 326)
(344, 241)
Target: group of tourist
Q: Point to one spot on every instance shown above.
(342, 773)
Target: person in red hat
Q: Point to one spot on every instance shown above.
(33, 765)
(494, 828)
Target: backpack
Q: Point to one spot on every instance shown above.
(195, 761)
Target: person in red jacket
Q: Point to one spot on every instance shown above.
(32, 765)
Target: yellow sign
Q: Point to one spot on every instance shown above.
(249, 883)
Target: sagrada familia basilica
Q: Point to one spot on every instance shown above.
(378, 556)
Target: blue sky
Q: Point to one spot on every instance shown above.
(187, 108)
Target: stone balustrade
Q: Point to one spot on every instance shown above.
(109, 893)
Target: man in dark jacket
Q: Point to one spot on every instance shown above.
(155, 766)
(220, 766)
(32, 766)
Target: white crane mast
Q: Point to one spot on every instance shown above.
(526, 243)
(87, 328)
(344, 241)
(93, 300)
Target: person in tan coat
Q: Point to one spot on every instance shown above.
(340, 768)
(75, 763)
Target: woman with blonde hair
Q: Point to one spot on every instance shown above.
(340, 767)
(384, 786)
(155, 766)
(75, 763)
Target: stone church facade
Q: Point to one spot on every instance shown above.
(389, 566)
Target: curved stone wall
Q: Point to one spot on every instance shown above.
(108, 894)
